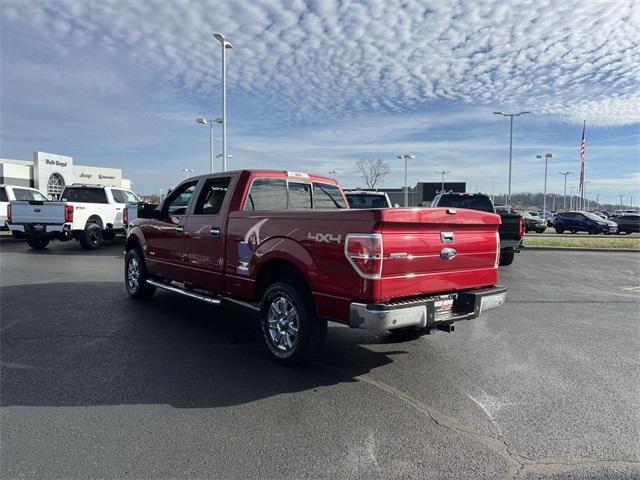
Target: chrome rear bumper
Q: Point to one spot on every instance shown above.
(422, 313)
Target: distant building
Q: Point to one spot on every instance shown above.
(49, 173)
(423, 193)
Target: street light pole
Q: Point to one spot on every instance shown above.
(546, 157)
(225, 45)
(511, 115)
(493, 192)
(443, 173)
(571, 198)
(406, 156)
(564, 197)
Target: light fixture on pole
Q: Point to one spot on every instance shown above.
(406, 156)
(206, 121)
(546, 157)
(443, 173)
(564, 196)
(225, 45)
(511, 115)
(223, 161)
(335, 173)
(188, 171)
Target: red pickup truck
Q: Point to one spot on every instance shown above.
(287, 245)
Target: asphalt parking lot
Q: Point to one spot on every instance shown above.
(96, 385)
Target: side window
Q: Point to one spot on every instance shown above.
(84, 195)
(178, 201)
(132, 198)
(267, 194)
(3, 195)
(326, 196)
(212, 196)
(118, 196)
(299, 196)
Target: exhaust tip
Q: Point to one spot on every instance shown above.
(447, 328)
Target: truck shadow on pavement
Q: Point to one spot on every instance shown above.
(110, 248)
(88, 344)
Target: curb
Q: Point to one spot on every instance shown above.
(585, 249)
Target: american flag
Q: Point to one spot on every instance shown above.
(582, 150)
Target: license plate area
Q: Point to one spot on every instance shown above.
(38, 228)
(443, 307)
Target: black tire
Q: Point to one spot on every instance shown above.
(136, 283)
(559, 230)
(541, 230)
(291, 329)
(593, 231)
(574, 231)
(91, 237)
(37, 243)
(506, 257)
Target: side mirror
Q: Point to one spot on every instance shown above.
(147, 210)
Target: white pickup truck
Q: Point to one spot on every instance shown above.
(10, 193)
(87, 213)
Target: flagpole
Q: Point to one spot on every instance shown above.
(582, 164)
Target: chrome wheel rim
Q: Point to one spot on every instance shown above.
(283, 324)
(133, 274)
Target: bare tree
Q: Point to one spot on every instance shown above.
(372, 170)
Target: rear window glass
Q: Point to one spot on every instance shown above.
(3, 195)
(471, 202)
(327, 196)
(267, 194)
(26, 195)
(84, 195)
(359, 200)
(299, 196)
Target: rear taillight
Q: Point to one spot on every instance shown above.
(497, 250)
(9, 212)
(125, 216)
(68, 213)
(364, 252)
(522, 226)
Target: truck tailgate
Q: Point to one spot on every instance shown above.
(510, 227)
(428, 250)
(28, 212)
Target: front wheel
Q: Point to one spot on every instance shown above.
(91, 237)
(559, 230)
(37, 243)
(593, 231)
(506, 257)
(292, 331)
(135, 275)
(541, 230)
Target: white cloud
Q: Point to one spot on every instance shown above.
(324, 59)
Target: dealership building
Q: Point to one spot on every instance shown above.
(49, 173)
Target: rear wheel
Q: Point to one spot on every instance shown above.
(135, 275)
(37, 243)
(593, 231)
(561, 230)
(91, 237)
(292, 331)
(541, 230)
(506, 257)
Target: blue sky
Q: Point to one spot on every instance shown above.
(316, 85)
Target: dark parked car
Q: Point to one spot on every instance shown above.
(579, 221)
(533, 223)
(627, 223)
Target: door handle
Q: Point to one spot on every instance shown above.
(180, 230)
(215, 232)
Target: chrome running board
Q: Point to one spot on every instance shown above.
(197, 296)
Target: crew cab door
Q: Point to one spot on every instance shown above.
(164, 235)
(205, 231)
